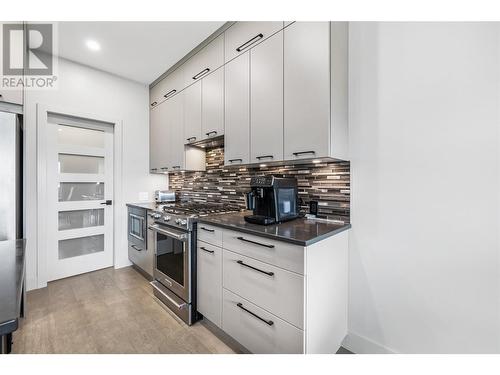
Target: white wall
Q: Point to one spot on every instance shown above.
(424, 138)
(85, 90)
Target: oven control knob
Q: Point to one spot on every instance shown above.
(157, 216)
(166, 218)
(177, 221)
(183, 222)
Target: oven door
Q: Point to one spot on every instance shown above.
(137, 227)
(172, 259)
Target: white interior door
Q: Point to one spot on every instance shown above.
(79, 183)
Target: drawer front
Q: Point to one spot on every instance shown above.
(209, 282)
(274, 289)
(276, 253)
(210, 234)
(261, 332)
(242, 36)
(141, 258)
(205, 61)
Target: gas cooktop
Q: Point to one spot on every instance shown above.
(183, 214)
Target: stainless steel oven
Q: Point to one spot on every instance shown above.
(173, 271)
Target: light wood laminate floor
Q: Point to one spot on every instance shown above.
(107, 311)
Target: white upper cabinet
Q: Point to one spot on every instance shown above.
(212, 109)
(167, 87)
(266, 100)
(244, 35)
(206, 61)
(306, 90)
(237, 111)
(158, 135)
(192, 113)
(175, 111)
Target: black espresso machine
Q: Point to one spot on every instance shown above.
(272, 199)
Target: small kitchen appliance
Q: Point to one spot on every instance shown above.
(272, 199)
(164, 196)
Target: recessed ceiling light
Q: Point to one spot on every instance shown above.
(93, 45)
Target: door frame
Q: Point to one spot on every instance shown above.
(43, 112)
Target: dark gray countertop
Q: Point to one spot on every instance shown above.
(147, 205)
(11, 284)
(300, 231)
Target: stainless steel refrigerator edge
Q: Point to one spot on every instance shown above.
(11, 140)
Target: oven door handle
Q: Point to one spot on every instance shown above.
(177, 236)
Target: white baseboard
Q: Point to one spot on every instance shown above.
(362, 345)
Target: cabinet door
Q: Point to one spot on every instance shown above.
(306, 90)
(237, 111)
(158, 136)
(175, 138)
(192, 113)
(266, 100)
(212, 108)
(206, 61)
(244, 35)
(209, 275)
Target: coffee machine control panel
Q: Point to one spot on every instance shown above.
(261, 181)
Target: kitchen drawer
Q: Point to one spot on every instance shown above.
(210, 234)
(209, 282)
(247, 34)
(142, 258)
(274, 289)
(258, 330)
(277, 253)
(12, 96)
(206, 61)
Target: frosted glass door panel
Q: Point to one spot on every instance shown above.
(81, 191)
(80, 164)
(70, 135)
(81, 246)
(80, 219)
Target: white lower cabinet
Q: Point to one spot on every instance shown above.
(279, 291)
(209, 282)
(258, 330)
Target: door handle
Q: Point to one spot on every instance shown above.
(170, 93)
(201, 74)
(109, 202)
(250, 42)
(205, 249)
(268, 322)
(255, 242)
(303, 153)
(240, 262)
(264, 157)
(136, 248)
(212, 132)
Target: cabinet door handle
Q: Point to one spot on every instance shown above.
(205, 249)
(154, 169)
(170, 93)
(164, 168)
(136, 248)
(255, 243)
(233, 160)
(268, 322)
(153, 104)
(212, 132)
(207, 230)
(191, 139)
(201, 74)
(250, 42)
(240, 262)
(264, 157)
(304, 153)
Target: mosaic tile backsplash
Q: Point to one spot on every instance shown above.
(327, 183)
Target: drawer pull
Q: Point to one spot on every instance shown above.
(233, 160)
(176, 167)
(304, 153)
(136, 248)
(207, 230)
(153, 104)
(268, 322)
(264, 157)
(201, 74)
(240, 262)
(212, 132)
(249, 42)
(205, 249)
(154, 169)
(255, 243)
(170, 93)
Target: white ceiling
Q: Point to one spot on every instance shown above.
(140, 51)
